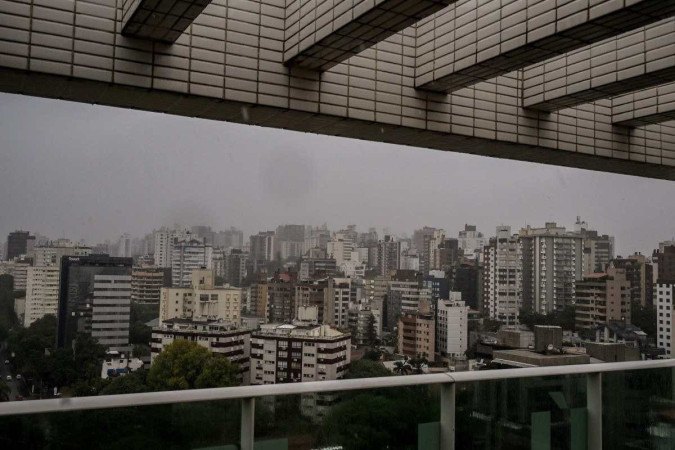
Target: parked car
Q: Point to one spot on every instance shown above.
(18, 376)
(7, 361)
(9, 378)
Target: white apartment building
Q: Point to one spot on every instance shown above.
(187, 256)
(452, 326)
(471, 241)
(340, 249)
(502, 282)
(111, 311)
(42, 293)
(294, 353)
(164, 240)
(664, 299)
(201, 301)
(219, 337)
(551, 265)
(51, 253)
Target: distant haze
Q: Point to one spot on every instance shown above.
(92, 172)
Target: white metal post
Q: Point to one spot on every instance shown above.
(448, 416)
(247, 423)
(594, 406)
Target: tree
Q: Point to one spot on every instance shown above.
(5, 391)
(141, 351)
(365, 368)
(218, 371)
(417, 364)
(371, 332)
(402, 367)
(187, 365)
(644, 317)
(131, 383)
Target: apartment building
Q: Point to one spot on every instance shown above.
(452, 333)
(293, 353)
(201, 301)
(602, 298)
(664, 294)
(502, 278)
(218, 337)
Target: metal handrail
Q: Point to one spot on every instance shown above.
(248, 392)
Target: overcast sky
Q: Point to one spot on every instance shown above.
(91, 172)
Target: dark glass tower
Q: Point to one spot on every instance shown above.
(77, 288)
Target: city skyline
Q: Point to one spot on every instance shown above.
(74, 173)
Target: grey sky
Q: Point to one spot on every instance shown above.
(92, 172)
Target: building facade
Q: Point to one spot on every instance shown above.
(19, 243)
(294, 353)
(664, 295)
(452, 333)
(188, 256)
(552, 263)
(202, 300)
(147, 283)
(42, 293)
(503, 278)
(219, 337)
(111, 311)
(80, 290)
(602, 298)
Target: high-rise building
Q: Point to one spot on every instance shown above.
(598, 250)
(419, 237)
(290, 241)
(665, 261)
(18, 269)
(664, 296)
(602, 298)
(471, 242)
(204, 233)
(337, 296)
(294, 353)
(281, 306)
(235, 267)
(312, 293)
(187, 256)
(340, 248)
(403, 297)
(201, 300)
(232, 238)
(111, 311)
(94, 288)
(639, 272)
(502, 278)
(147, 283)
(42, 293)
(164, 241)
(467, 278)
(262, 249)
(429, 257)
(451, 326)
(257, 297)
(50, 253)
(388, 255)
(417, 334)
(19, 243)
(552, 263)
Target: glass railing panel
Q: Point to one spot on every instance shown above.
(195, 426)
(395, 418)
(542, 413)
(639, 409)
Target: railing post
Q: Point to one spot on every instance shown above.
(594, 406)
(247, 423)
(448, 416)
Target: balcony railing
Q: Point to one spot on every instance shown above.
(611, 405)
